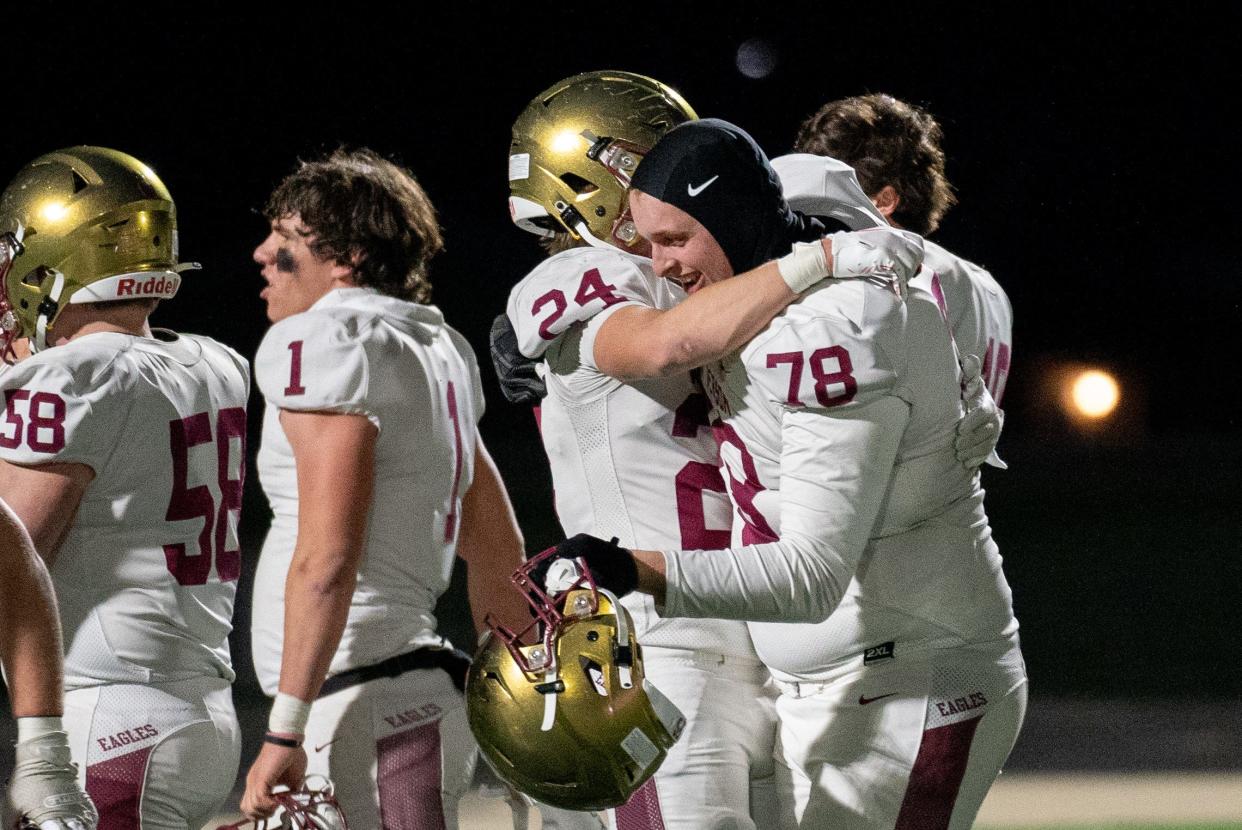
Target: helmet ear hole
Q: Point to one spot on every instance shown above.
(79, 183)
(578, 184)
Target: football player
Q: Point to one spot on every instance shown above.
(44, 788)
(373, 466)
(636, 459)
(863, 553)
(895, 149)
(123, 452)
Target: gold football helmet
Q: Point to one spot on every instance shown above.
(82, 225)
(561, 710)
(575, 147)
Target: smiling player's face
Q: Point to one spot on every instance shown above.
(682, 249)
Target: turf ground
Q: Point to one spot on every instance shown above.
(1029, 801)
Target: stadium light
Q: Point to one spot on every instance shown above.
(1094, 394)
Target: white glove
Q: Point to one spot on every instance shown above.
(44, 791)
(889, 255)
(979, 430)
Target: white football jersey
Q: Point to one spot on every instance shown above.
(147, 574)
(837, 435)
(979, 312)
(397, 363)
(634, 460)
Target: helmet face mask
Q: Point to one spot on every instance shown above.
(312, 806)
(575, 148)
(561, 710)
(92, 225)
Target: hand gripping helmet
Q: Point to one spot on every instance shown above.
(561, 710)
(82, 225)
(575, 147)
(310, 807)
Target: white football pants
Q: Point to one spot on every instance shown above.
(719, 775)
(157, 757)
(398, 750)
(910, 744)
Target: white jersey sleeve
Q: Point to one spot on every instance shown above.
(313, 362)
(472, 364)
(571, 288)
(57, 412)
(841, 409)
(979, 314)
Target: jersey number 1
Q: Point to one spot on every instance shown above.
(197, 502)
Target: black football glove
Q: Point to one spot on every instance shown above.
(612, 566)
(519, 381)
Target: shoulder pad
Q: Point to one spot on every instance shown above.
(65, 404)
(571, 288)
(315, 361)
(816, 356)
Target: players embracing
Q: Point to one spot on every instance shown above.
(863, 554)
(633, 458)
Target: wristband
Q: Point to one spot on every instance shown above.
(287, 743)
(804, 266)
(36, 727)
(289, 715)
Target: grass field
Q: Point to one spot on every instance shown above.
(1087, 801)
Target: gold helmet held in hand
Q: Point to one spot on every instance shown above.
(575, 148)
(82, 225)
(561, 710)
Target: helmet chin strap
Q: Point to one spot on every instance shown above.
(572, 218)
(551, 676)
(625, 657)
(47, 310)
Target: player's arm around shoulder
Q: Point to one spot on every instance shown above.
(719, 319)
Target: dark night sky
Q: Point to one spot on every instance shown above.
(1089, 150)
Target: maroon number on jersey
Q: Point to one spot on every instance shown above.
(196, 502)
(295, 386)
(592, 287)
(694, 479)
(43, 431)
(842, 375)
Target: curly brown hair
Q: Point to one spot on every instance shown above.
(888, 142)
(366, 213)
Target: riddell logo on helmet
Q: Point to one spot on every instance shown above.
(151, 287)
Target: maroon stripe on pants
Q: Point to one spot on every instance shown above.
(937, 776)
(409, 779)
(115, 786)
(642, 811)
